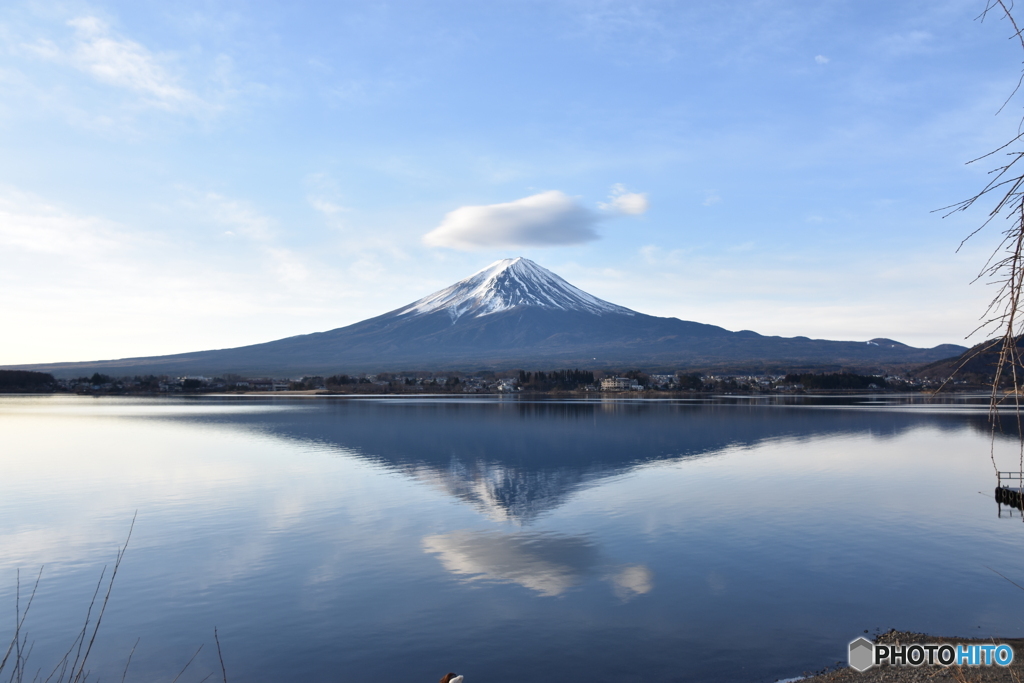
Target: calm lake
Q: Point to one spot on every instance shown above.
(341, 539)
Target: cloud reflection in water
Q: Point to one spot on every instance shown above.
(547, 563)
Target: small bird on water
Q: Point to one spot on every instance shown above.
(451, 678)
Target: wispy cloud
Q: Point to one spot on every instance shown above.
(908, 43)
(547, 219)
(288, 266)
(657, 256)
(822, 59)
(30, 225)
(124, 63)
(623, 201)
(323, 197)
(328, 208)
(94, 48)
(244, 220)
(641, 27)
(332, 213)
(239, 217)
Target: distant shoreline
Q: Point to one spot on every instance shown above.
(285, 393)
(554, 383)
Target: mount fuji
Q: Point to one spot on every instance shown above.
(504, 285)
(515, 314)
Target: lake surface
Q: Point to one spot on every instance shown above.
(396, 539)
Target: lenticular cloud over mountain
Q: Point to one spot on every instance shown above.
(547, 219)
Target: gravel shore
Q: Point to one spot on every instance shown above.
(909, 674)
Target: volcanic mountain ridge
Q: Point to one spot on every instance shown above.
(515, 314)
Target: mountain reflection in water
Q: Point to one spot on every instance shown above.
(516, 460)
(726, 539)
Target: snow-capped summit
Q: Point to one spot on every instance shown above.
(506, 284)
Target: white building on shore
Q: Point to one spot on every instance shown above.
(619, 384)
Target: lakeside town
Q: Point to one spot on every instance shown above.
(517, 382)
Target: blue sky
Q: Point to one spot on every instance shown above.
(190, 175)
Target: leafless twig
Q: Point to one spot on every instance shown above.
(129, 659)
(186, 665)
(1005, 267)
(220, 656)
(18, 642)
(110, 587)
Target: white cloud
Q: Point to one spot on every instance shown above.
(712, 198)
(546, 219)
(328, 208)
(822, 59)
(548, 564)
(633, 580)
(30, 225)
(119, 62)
(623, 201)
(123, 63)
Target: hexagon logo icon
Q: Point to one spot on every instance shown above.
(862, 654)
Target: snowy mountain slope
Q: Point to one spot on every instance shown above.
(506, 284)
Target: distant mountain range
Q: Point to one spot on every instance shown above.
(976, 364)
(516, 314)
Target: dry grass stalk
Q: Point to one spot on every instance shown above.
(71, 667)
(220, 656)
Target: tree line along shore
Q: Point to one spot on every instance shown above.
(508, 382)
